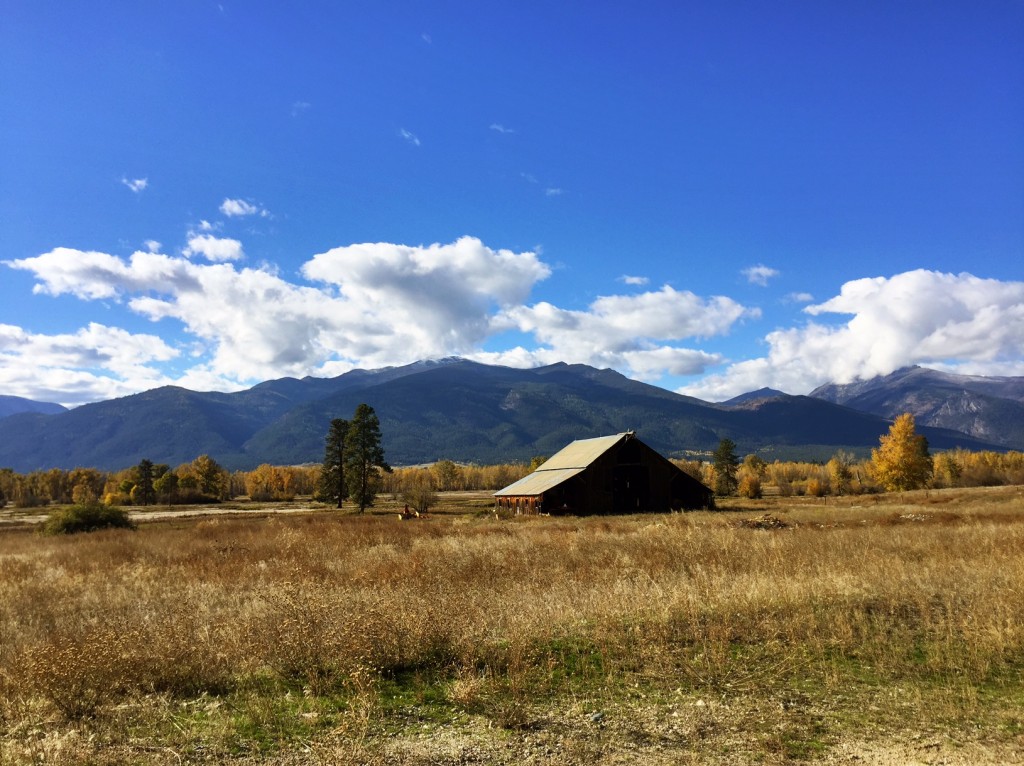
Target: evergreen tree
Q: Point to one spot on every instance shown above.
(902, 461)
(725, 463)
(332, 487)
(364, 457)
(143, 492)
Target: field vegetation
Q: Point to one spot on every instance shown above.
(842, 629)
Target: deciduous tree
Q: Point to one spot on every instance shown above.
(447, 475)
(901, 461)
(211, 479)
(840, 472)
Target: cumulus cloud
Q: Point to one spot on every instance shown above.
(136, 184)
(409, 136)
(214, 248)
(628, 280)
(760, 274)
(439, 298)
(237, 208)
(637, 334)
(956, 322)
(377, 304)
(96, 362)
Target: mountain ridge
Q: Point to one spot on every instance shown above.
(988, 408)
(13, 405)
(452, 408)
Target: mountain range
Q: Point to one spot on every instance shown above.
(12, 405)
(470, 412)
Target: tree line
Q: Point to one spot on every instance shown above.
(902, 461)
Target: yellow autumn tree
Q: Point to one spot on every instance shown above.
(901, 461)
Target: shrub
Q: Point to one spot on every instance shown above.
(86, 517)
(29, 500)
(750, 487)
(116, 498)
(817, 488)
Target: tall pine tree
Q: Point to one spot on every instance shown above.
(726, 464)
(332, 487)
(364, 457)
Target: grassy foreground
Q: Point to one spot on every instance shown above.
(875, 629)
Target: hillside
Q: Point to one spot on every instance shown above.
(450, 408)
(12, 405)
(991, 409)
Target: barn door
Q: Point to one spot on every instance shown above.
(631, 488)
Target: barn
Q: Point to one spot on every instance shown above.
(609, 474)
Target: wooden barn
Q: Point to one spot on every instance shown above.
(609, 474)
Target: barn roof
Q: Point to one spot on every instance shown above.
(538, 482)
(564, 464)
(582, 452)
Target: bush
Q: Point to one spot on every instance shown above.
(750, 487)
(29, 500)
(86, 517)
(817, 488)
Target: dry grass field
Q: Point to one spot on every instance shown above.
(883, 629)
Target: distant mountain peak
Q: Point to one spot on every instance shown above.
(752, 397)
(12, 405)
(990, 408)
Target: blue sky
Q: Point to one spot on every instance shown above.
(708, 196)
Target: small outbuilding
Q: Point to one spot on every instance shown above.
(609, 474)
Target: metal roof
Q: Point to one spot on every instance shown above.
(581, 452)
(538, 482)
(564, 464)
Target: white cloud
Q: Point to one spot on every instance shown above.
(299, 107)
(553, 191)
(799, 298)
(96, 362)
(380, 303)
(412, 138)
(152, 245)
(214, 248)
(136, 184)
(628, 280)
(633, 333)
(957, 322)
(236, 208)
(435, 300)
(499, 128)
(759, 274)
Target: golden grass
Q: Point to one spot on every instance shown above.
(236, 636)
